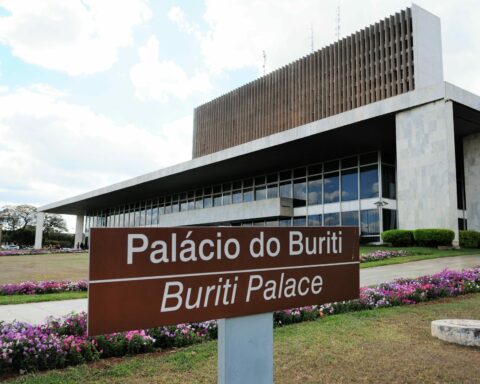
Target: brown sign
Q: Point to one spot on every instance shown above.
(147, 277)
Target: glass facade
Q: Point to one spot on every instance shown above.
(311, 187)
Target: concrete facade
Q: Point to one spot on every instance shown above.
(471, 150)
(39, 230)
(427, 45)
(426, 172)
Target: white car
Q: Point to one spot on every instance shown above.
(10, 247)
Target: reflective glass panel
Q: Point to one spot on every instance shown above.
(299, 193)
(237, 197)
(331, 219)
(300, 221)
(207, 201)
(331, 189)
(272, 191)
(369, 222)
(227, 198)
(217, 200)
(314, 220)
(314, 190)
(198, 203)
(388, 182)
(349, 185)
(261, 193)
(389, 219)
(350, 219)
(284, 222)
(248, 195)
(369, 182)
(286, 189)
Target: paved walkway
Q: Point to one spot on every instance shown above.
(38, 312)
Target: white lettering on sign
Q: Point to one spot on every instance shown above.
(183, 248)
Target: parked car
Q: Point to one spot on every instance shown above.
(11, 247)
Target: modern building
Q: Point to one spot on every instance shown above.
(364, 132)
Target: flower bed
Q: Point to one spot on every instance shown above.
(23, 252)
(63, 342)
(35, 288)
(381, 255)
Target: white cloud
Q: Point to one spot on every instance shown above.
(237, 31)
(52, 149)
(156, 79)
(75, 36)
(178, 17)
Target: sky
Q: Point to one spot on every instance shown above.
(93, 92)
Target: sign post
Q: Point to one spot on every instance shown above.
(148, 277)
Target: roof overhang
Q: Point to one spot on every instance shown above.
(339, 135)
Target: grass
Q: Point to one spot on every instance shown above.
(416, 254)
(23, 299)
(59, 266)
(390, 345)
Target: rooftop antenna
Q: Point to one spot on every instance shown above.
(337, 26)
(264, 54)
(311, 37)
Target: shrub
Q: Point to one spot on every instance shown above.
(398, 237)
(469, 239)
(433, 237)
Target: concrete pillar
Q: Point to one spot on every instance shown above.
(426, 171)
(471, 157)
(79, 230)
(245, 349)
(39, 230)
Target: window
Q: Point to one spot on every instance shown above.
(331, 219)
(349, 162)
(315, 190)
(350, 219)
(389, 219)
(369, 158)
(286, 189)
(299, 221)
(299, 192)
(315, 220)
(272, 191)
(369, 182)
(331, 192)
(207, 202)
(349, 185)
(369, 222)
(261, 192)
(388, 182)
(227, 198)
(248, 195)
(217, 200)
(237, 197)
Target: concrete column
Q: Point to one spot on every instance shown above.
(79, 230)
(39, 230)
(426, 171)
(245, 349)
(471, 157)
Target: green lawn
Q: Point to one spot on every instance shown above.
(58, 266)
(416, 254)
(23, 299)
(390, 345)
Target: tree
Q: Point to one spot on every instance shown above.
(27, 215)
(15, 217)
(9, 217)
(53, 223)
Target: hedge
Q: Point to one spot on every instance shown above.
(469, 239)
(398, 237)
(433, 237)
